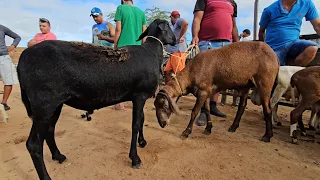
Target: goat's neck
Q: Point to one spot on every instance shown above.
(153, 45)
(182, 81)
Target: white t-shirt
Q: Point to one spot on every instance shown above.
(245, 38)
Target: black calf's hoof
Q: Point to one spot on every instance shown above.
(59, 157)
(183, 136)
(88, 118)
(143, 143)
(136, 166)
(207, 132)
(265, 138)
(136, 163)
(232, 129)
(83, 115)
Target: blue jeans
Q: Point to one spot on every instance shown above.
(293, 50)
(205, 45)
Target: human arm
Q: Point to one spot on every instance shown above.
(117, 19)
(112, 34)
(316, 25)
(32, 42)
(13, 35)
(313, 16)
(144, 27)
(184, 27)
(117, 34)
(197, 18)
(264, 21)
(235, 35)
(262, 31)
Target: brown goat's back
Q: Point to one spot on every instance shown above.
(307, 80)
(234, 65)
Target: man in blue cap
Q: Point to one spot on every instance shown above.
(103, 32)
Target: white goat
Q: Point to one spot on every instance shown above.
(283, 84)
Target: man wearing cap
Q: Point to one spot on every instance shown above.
(45, 34)
(178, 58)
(130, 24)
(214, 26)
(102, 32)
(7, 69)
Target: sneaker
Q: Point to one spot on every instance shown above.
(6, 107)
(202, 119)
(215, 111)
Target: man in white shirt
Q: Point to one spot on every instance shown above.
(245, 35)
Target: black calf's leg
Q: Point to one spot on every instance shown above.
(142, 142)
(35, 147)
(137, 116)
(241, 108)
(43, 126)
(56, 155)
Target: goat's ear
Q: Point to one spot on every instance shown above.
(162, 26)
(173, 106)
(144, 34)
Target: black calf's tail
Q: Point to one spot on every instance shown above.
(26, 102)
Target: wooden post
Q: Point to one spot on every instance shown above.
(255, 20)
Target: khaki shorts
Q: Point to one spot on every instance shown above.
(8, 71)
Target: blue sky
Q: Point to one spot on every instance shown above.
(71, 21)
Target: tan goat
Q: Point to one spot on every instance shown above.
(240, 66)
(307, 82)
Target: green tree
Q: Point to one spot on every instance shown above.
(156, 13)
(151, 14)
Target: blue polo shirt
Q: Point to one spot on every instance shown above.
(283, 27)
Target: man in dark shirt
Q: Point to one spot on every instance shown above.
(214, 26)
(7, 69)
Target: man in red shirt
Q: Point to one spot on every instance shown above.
(214, 26)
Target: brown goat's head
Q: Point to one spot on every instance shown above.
(165, 106)
(161, 30)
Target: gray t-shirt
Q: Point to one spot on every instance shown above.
(179, 47)
(3, 32)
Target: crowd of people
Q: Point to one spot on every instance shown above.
(214, 26)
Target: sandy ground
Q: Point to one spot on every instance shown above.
(99, 149)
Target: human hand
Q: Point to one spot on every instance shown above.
(101, 37)
(195, 40)
(11, 48)
(32, 42)
(181, 40)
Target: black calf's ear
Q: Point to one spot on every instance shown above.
(162, 26)
(144, 34)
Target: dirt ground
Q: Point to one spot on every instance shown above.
(99, 149)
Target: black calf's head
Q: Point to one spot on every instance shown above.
(161, 30)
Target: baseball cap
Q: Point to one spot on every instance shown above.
(174, 13)
(95, 11)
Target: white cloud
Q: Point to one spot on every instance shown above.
(69, 20)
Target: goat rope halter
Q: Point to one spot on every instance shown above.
(188, 51)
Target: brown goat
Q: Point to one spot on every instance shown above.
(307, 83)
(240, 66)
